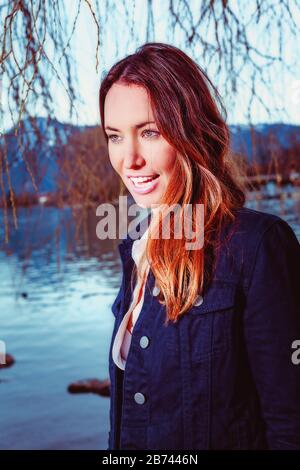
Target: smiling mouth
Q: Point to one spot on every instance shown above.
(143, 182)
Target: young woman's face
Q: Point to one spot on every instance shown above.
(137, 151)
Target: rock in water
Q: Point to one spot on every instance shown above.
(8, 361)
(100, 387)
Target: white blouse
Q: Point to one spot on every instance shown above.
(123, 337)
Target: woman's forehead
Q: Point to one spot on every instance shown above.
(128, 105)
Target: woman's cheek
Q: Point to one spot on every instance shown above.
(115, 163)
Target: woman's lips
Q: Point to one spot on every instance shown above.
(147, 187)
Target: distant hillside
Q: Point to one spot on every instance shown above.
(268, 137)
(37, 148)
(42, 140)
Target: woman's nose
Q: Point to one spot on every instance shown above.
(132, 154)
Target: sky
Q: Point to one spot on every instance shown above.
(116, 43)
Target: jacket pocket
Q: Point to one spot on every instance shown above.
(220, 296)
(212, 322)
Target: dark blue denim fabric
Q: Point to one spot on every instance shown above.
(222, 377)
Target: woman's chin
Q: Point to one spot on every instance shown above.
(141, 202)
(146, 202)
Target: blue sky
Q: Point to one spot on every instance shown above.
(116, 43)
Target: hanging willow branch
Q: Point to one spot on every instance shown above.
(240, 44)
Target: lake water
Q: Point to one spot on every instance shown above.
(58, 281)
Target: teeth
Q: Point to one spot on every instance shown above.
(142, 179)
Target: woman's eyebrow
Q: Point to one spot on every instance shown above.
(138, 126)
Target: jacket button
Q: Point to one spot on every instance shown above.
(155, 291)
(198, 301)
(139, 398)
(144, 342)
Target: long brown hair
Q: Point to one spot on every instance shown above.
(184, 103)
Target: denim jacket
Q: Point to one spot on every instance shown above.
(222, 377)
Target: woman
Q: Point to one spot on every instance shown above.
(200, 356)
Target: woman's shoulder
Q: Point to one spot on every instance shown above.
(256, 220)
(260, 238)
(253, 226)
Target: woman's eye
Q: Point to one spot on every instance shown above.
(152, 133)
(147, 133)
(112, 138)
